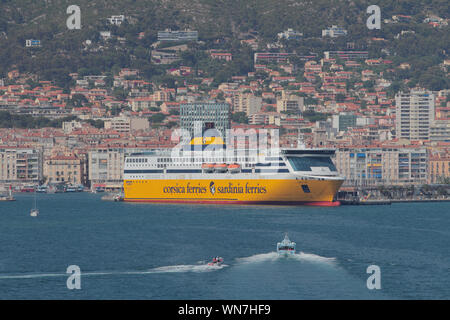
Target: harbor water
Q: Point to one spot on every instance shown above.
(160, 251)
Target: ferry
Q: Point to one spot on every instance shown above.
(200, 173)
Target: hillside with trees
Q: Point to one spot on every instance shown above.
(221, 24)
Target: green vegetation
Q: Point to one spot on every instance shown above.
(157, 118)
(96, 123)
(220, 24)
(239, 117)
(315, 116)
(8, 120)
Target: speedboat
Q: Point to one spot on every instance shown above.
(216, 261)
(118, 197)
(286, 247)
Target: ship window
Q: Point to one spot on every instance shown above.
(305, 188)
(305, 163)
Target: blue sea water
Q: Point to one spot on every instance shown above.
(159, 251)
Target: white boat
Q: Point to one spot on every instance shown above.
(286, 247)
(42, 189)
(35, 211)
(71, 188)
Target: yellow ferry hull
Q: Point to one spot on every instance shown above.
(239, 191)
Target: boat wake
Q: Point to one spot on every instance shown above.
(166, 269)
(31, 276)
(187, 268)
(200, 267)
(274, 256)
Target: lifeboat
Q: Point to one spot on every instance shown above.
(208, 167)
(234, 168)
(221, 167)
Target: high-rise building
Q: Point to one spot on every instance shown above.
(414, 114)
(198, 117)
(343, 121)
(249, 103)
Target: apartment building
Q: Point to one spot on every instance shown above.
(382, 165)
(64, 168)
(106, 167)
(127, 124)
(334, 32)
(439, 168)
(414, 114)
(440, 131)
(248, 103)
(177, 35)
(20, 165)
(290, 103)
(346, 55)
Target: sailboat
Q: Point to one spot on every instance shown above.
(35, 211)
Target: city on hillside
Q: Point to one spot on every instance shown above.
(389, 125)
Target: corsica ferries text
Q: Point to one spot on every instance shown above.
(227, 189)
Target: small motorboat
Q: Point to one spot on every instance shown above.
(216, 261)
(286, 247)
(34, 212)
(71, 188)
(118, 197)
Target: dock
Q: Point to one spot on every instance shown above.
(365, 203)
(7, 199)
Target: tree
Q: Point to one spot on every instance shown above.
(78, 100)
(239, 117)
(157, 118)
